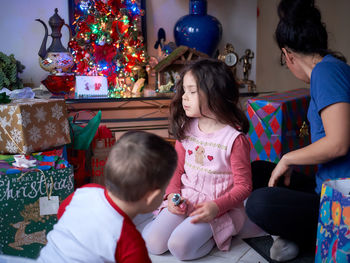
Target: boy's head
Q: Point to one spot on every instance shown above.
(139, 162)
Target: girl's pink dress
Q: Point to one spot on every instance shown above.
(207, 175)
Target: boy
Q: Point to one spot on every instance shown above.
(95, 222)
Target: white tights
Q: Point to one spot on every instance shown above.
(184, 239)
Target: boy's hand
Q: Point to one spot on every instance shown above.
(175, 209)
(204, 212)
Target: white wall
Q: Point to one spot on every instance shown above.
(270, 76)
(22, 35)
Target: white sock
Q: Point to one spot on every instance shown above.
(274, 237)
(283, 249)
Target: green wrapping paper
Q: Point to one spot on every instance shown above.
(22, 229)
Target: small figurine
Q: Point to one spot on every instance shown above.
(167, 87)
(138, 87)
(304, 130)
(245, 83)
(160, 41)
(246, 58)
(163, 49)
(177, 200)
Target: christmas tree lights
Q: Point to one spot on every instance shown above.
(108, 41)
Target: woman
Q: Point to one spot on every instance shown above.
(288, 208)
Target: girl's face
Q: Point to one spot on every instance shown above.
(190, 98)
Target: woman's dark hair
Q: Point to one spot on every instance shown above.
(216, 84)
(300, 28)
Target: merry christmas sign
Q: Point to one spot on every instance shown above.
(26, 215)
(32, 125)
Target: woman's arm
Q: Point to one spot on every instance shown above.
(336, 143)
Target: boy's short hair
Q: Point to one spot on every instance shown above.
(139, 162)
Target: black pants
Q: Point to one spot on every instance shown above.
(290, 212)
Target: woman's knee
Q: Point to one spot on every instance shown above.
(260, 202)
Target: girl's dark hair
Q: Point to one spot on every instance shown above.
(218, 87)
(300, 28)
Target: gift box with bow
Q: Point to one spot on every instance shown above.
(278, 124)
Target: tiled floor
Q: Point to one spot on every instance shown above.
(239, 252)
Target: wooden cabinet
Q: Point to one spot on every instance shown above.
(120, 115)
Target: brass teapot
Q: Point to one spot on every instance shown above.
(57, 58)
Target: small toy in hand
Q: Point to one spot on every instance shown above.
(176, 199)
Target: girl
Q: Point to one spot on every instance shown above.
(302, 38)
(213, 174)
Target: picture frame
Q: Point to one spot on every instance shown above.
(73, 9)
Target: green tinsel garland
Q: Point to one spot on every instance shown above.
(9, 69)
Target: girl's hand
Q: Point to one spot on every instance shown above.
(281, 169)
(204, 212)
(175, 209)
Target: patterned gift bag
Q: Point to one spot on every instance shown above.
(101, 146)
(25, 219)
(333, 231)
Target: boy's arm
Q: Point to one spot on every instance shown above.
(63, 205)
(131, 247)
(175, 182)
(241, 170)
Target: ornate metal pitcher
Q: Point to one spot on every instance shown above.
(55, 59)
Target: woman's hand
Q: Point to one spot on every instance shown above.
(176, 209)
(281, 169)
(204, 212)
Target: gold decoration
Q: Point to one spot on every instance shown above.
(30, 212)
(304, 130)
(230, 57)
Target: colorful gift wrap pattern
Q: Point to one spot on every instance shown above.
(278, 124)
(333, 231)
(32, 125)
(23, 224)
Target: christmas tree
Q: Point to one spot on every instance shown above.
(108, 41)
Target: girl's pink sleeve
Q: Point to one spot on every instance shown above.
(175, 182)
(242, 176)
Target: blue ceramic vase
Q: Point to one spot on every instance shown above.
(198, 29)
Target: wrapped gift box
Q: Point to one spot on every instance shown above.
(276, 125)
(32, 125)
(24, 223)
